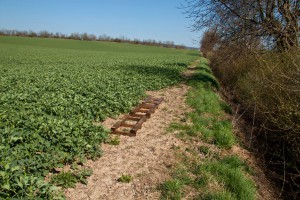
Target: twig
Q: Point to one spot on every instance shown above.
(283, 170)
(252, 128)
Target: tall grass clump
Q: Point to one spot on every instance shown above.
(230, 172)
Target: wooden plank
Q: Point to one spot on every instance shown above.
(127, 125)
(123, 133)
(137, 115)
(136, 109)
(148, 99)
(158, 100)
(148, 105)
(138, 125)
(118, 124)
(143, 110)
(132, 118)
(150, 111)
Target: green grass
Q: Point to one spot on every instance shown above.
(231, 175)
(208, 110)
(172, 189)
(204, 149)
(113, 140)
(214, 177)
(206, 118)
(53, 90)
(125, 178)
(222, 195)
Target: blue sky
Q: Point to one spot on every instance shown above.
(142, 19)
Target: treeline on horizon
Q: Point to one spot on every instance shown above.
(90, 37)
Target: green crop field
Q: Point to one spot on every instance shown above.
(53, 90)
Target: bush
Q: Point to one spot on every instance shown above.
(275, 93)
(267, 83)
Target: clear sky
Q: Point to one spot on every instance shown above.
(142, 19)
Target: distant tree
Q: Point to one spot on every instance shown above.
(86, 36)
(92, 37)
(169, 44)
(104, 37)
(57, 35)
(44, 34)
(32, 34)
(136, 41)
(75, 36)
(181, 46)
(116, 40)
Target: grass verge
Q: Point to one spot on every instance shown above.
(207, 169)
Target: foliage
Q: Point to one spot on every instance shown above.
(64, 179)
(69, 179)
(51, 93)
(113, 140)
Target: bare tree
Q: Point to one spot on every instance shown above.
(275, 20)
(44, 34)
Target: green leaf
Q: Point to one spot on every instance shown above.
(6, 167)
(6, 186)
(3, 173)
(15, 168)
(14, 139)
(19, 183)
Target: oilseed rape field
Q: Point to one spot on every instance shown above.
(52, 91)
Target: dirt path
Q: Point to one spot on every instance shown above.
(146, 157)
